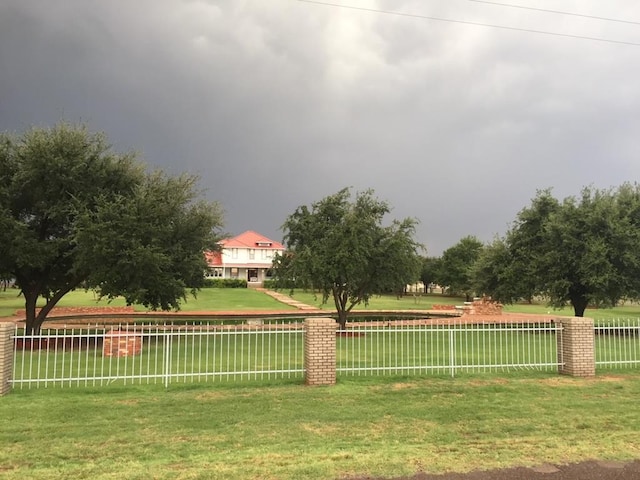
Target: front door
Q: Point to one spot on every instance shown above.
(252, 275)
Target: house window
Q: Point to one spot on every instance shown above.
(234, 253)
(213, 273)
(252, 254)
(234, 272)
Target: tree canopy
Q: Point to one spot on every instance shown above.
(76, 214)
(456, 264)
(578, 251)
(429, 271)
(340, 248)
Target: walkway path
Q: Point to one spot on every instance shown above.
(286, 299)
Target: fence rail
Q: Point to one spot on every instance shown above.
(448, 348)
(158, 354)
(274, 349)
(617, 343)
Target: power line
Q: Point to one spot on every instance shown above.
(595, 17)
(477, 24)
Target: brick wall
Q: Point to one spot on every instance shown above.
(320, 351)
(576, 347)
(7, 331)
(485, 306)
(121, 344)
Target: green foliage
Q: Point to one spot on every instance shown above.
(581, 251)
(280, 284)
(456, 266)
(224, 283)
(340, 248)
(492, 276)
(430, 271)
(76, 214)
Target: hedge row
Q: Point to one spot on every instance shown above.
(286, 285)
(224, 283)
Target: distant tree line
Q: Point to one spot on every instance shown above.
(580, 251)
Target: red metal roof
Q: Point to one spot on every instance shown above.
(251, 239)
(214, 259)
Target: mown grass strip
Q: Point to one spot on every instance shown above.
(378, 427)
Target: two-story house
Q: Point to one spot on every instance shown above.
(248, 256)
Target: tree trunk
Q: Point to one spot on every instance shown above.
(342, 319)
(32, 327)
(33, 321)
(579, 303)
(340, 298)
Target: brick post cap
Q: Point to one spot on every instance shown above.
(320, 321)
(8, 327)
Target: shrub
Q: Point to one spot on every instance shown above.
(224, 283)
(281, 284)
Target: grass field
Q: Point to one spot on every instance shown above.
(378, 427)
(214, 299)
(409, 301)
(208, 299)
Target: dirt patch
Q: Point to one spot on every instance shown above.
(591, 470)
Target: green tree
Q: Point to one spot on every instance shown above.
(492, 274)
(580, 251)
(75, 214)
(429, 271)
(340, 248)
(457, 263)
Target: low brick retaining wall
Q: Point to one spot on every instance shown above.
(436, 306)
(62, 311)
(121, 344)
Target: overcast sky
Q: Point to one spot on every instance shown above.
(278, 103)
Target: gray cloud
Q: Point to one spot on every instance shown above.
(279, 103)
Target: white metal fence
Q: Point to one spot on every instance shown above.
(158, 354)
(409, 348)
(617, 343)
(272, 349)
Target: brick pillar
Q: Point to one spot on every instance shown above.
(121, 344)
(320, 351)
(7, 331)
(576, 347)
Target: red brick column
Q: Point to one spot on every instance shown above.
(7, 330)
(121, 344)
(576, 347)
(320, 351)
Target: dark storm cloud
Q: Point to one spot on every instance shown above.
(279, 103)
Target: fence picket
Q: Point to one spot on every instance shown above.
(273, 349)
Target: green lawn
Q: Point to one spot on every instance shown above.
(208, 299)
(425, 302)
(376, 427)
(214, 299)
